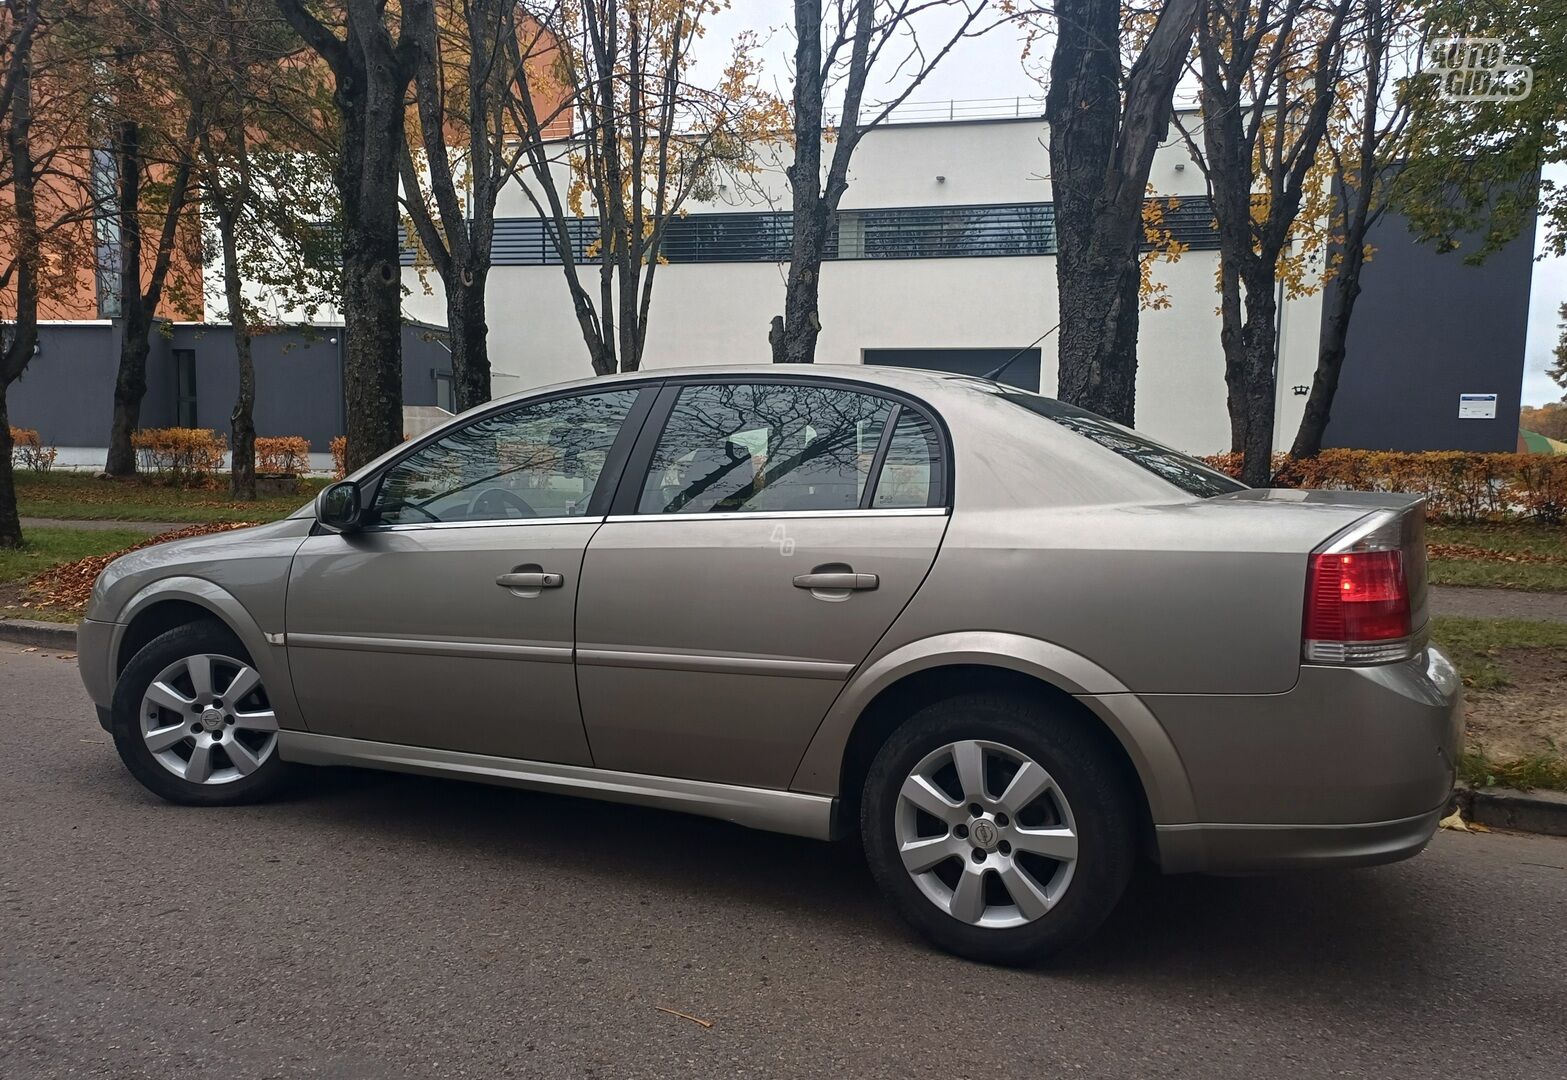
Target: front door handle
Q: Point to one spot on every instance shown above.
(530, 580)
(836, 580)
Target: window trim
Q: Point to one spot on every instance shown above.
(603, 487)
(628, 493)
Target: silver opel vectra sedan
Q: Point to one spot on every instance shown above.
(1010, 643)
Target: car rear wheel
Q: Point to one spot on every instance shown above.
(1001, 829)
(192, 721)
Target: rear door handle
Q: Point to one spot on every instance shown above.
(836, 580)
(535, 580)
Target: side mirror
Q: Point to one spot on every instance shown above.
(340, 507)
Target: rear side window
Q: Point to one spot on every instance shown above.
(911, 475)
(760, 447)
(1186, 473)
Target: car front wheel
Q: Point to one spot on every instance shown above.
(1001, 828)
(192, 721)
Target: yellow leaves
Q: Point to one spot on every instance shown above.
(1161, 246)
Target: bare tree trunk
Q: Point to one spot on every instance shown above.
(371, 70)
(242, 425)
(1252, 409)
(18, 339)
(10, 523)
(795, 340)
(372, 298)
(470, 335)
(1330, 354)
(130, 386)
(139, 305)
(1101, 153)
(130, 383)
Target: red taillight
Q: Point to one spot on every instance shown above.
(1357, 596)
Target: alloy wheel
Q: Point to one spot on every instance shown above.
(986, 834)
(207, 720)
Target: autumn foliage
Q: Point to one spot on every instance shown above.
(29, 452)
(287, 455)
(68, 586)
(179, 455)
(1457, 485)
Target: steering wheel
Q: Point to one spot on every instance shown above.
(495, 501)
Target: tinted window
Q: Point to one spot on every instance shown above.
(1186, 473)
(538, 460)
(764, 447)
(911, 475)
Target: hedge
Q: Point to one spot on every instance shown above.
(288, 455)
(29, 452)
(1457, 485)
(179, 455)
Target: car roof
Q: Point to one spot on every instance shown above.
(912, 380)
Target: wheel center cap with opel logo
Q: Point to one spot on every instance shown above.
(984, 834)
(212, 719)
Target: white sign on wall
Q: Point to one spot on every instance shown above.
(1477, 406)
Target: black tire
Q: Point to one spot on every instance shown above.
(1087, 775)
(205, 636)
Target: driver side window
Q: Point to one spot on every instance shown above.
(539, 460)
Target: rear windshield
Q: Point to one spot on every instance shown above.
(1186, 473)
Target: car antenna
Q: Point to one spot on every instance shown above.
(996, 373)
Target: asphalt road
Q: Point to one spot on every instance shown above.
(384, 926)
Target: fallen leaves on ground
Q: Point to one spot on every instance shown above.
(1456, 822)
(67, 586)
(1484, 554)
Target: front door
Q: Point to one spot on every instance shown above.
(448, 621)
(771, 534)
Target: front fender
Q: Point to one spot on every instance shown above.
(271, 660)
(1152, 753)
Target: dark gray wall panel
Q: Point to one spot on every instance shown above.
(1427, 328)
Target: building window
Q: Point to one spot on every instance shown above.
(904, 232)
(444, 398)
(953, 232)
(185, 388)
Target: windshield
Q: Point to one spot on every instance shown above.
(1186, 473)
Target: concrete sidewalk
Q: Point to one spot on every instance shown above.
(151, 528)
(1498, 603)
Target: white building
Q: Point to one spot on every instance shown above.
(943, 247)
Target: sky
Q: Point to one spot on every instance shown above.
(991, 66)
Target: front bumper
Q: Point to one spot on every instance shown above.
(95, 662)
(1352, 767)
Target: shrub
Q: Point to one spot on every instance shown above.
(340, 456)
(179, 455)
(29, 452)
(285, 454)
(1457, 485)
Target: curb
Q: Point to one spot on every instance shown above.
(44, 635)
(1522, 811)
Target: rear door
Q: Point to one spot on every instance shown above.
(765, 535)
(448, 622)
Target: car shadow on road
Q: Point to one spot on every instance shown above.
(1297, 935)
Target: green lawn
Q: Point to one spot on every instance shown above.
(1473, 644)
(47, 547)
(82, 496)
(1527, 538)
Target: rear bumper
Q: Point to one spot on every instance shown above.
(1352, 767)
(1251, 849)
